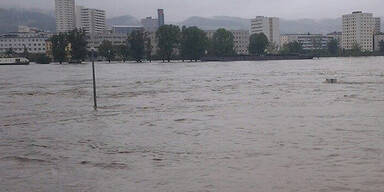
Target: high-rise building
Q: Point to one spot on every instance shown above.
(160, 17)
(150, 24)
(270, 26)
(92, 21)
(377, 28)
(358, 30)
(65, 15)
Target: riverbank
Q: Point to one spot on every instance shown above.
(256, 58)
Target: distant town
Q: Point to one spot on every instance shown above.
(360, 35)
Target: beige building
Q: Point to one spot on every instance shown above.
(65, 15)
(92, 21)
(240, 40)
(270, 26)
(308, 41)
(377, 40)
(358, 29)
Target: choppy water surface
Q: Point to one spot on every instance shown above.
(243, 126)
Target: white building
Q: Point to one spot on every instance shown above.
(377, 40)
(240, 40)
(270, 26)
(358, 29)
(33, 42)
(377, 28)
(308, 41)
(92, 21)
(114, 38)
(150, 24)
(65, 15)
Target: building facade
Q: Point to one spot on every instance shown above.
(270, 26)
(18, 42)
(160, 17)
(377, 21)
(308, 41)
(378, 38)
(114, 38)
(92, 21)
(240, 40)
(358, 29)
(125, 29)
(150, 24)
(65, 15)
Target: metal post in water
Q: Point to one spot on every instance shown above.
(94, 80)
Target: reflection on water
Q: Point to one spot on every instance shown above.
(242, 126)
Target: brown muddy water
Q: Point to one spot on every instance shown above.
(271, 126)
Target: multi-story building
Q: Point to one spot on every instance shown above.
(240, 40)
(377, 21)
(160, 17)
(378, 38)
(358, 30)
(270, 26)
(92, 21)
(150, 24)
(114, 38)
(125, 29)
(308, 41)
(32, 42)
(65, 15)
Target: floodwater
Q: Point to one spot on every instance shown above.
(271, 126)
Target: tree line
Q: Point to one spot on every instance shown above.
(186, 43)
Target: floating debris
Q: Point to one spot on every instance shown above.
(332, 81)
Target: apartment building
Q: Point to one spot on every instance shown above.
(358, 28)
(33, 42)
(150, 24)
(308, 41)
(65, 15)
(92, 21)
(270, 26)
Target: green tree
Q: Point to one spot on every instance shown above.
(42, 59)
(25, 52)
(168, 37)
(292, 48)
(258, 43)
(77, 39)
(381, 46)
(107, 50)
(123, 51)
(333, 47)
(222, 43)
(10, 52)
(136, 41)
(148, 47)
(356, 50)
(59, 44)
(194, 43)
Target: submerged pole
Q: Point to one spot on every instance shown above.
(94, 80)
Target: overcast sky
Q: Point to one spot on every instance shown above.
(177, 10)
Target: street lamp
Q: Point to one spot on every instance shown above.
(94, 79)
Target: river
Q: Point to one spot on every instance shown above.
(271, 126)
